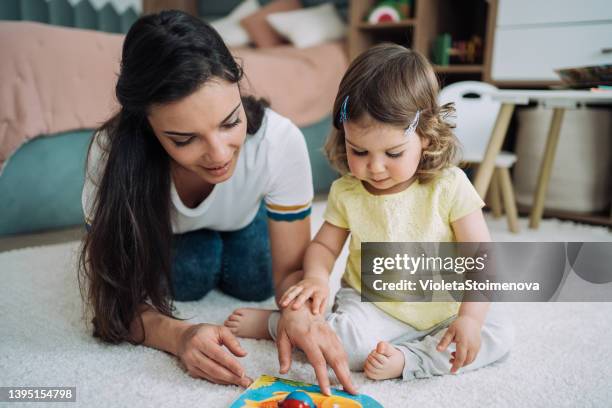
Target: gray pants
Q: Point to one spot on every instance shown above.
(360, 326)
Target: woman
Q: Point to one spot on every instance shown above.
(172, 201)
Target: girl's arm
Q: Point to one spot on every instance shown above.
(465, 330)
(472, 228)
(324, 250)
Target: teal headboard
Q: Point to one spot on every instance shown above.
(62, 13)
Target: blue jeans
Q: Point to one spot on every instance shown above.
(237, 262)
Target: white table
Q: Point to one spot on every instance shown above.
(559, 101)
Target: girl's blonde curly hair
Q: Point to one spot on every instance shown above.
(390, 83)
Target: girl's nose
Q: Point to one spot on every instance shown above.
(376, 166)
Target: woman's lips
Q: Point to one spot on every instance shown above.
(220, 170)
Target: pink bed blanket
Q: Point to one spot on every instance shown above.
(55, 79)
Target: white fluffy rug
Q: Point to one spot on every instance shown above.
(561, 357)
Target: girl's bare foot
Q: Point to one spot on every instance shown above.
(250, 323)
(384, 362)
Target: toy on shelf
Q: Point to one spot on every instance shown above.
(273, 392)
(389, 11)
(446, 51)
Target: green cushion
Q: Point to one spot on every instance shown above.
(85, 16)
(322, 173)
(61, 13)
(35, 10)
(41, 185)
(213, 9)
(108, 19)
(10, 10)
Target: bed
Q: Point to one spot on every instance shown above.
(57, 78)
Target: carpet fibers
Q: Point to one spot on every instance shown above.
(561, 357)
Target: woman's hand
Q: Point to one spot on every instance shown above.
(318, 341)
(200, 349)
(465, 332)
(315, 288)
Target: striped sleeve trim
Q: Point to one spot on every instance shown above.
(288, 212)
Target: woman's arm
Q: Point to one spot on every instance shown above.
(300, 328)
(200, 347)
(292, 252)
(288, 243)
(318, 264)
(157, 330)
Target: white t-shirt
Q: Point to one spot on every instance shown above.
(273, 165)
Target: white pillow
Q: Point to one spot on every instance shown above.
(229, 27)
(309, 26)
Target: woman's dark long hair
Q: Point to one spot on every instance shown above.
(125, 260)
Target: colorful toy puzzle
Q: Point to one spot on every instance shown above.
(273, 392)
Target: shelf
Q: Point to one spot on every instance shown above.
(429, 18)
(459, 69)
(387, 25)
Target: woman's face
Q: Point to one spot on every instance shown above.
(203, 132)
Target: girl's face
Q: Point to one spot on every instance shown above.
(204, 131)
(382, 155)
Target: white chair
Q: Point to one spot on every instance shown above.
(476, 116)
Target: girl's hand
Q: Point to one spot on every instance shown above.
(465, 332)
(200, 349)
(316, 289)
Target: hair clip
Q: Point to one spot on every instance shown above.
(343, 112)
(413, 124)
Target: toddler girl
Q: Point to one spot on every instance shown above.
(396, 151)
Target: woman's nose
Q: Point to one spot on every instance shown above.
(217, 151)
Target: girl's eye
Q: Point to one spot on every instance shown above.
(359, 153)
(183, 142)
(395, 155)
(231, 125)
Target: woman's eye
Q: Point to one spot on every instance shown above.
(359, 153)
(233, 124)
(395, 155)
(183, 142)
